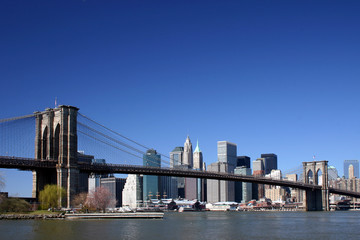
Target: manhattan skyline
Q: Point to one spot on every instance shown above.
(272, 77)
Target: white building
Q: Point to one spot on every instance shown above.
(132, 194)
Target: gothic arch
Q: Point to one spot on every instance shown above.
(56, 142)
(318, 177)
(44, 148)
(310, 177)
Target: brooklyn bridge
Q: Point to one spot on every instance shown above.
(57, 160)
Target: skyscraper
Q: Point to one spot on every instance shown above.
(188, 153)
(132, 194)
(258, 171)
(355, 164)
(198, 158)
(151, 183)
(243, 161)
(270, 162)
(246, 189)
(176, 161)
(223, 190)
(198, 165)
(176, 157)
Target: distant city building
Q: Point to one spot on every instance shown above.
(246, 188)
(354, 164)
(258, 171)
(243, 161)
(270, 162)
(176, 157)
(199, 165)
(168, 187)
(188, 153)
(176, 161)
(198, 158)
(332, 173)
(213, 186)
(295, 194)
(227, 152)
(223, 191)
(151, 183)
(275, 193)
(115, 186)
(132, 194)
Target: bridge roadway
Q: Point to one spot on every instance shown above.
(33, 164)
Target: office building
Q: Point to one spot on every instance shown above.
(243, 193)
(168, 187)
(223, 191)
(197, 158)
(332, 173)
(188, 153)
(199, 165)
(132, 194)
(176, 161)
(354, 164)
(270, 162)
(243, 161)
(176, 157)
(151, 183)
(115, 186)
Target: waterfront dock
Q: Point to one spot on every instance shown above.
(147, 215)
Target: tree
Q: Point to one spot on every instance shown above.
(80, 200)
(99, 199)
(14, 205)
(51, 195)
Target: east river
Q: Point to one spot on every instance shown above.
(194, 225)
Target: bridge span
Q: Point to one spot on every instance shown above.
(105, 168)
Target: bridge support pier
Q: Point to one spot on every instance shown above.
(40, 179)
(56, 138)
(316, 172)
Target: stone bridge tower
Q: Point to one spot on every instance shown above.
(316, 173)
(56, 138)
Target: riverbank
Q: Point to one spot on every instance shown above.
(151, 215)
(19, 216)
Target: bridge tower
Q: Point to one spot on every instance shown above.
(56, 138)
(316, 172)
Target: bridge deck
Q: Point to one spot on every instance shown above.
(33, 164)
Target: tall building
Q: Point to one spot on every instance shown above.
(223, 191)
(355, 164)
(132, 194)
(258, 171)
(270, 162)
(332, 173)
(176, 157)
(188, 153)
(168, 187)
(176, 160)
(197, 158)
(245, 194)
(198, 165)
(115, 186)
(151, 183)
(213, 186)
(243, 161)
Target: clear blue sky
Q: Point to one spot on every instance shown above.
(271, 76)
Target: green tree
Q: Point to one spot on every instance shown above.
(14, 205)
(51, 196)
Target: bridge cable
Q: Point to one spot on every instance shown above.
(116, 133)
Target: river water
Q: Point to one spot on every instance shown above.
(194, 225)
